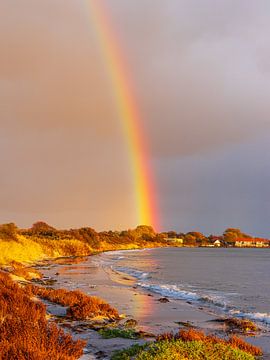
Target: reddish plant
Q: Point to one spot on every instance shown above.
(239, 343)
(24, 331)
(81, 306)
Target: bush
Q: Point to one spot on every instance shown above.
(25, 332)
(81, 306)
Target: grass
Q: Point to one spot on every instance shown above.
(26, 250)
(195, 350)
(117, 332)
(191, 344)
(80, 305)
(27, 273)
(129, 353)
(24, 331)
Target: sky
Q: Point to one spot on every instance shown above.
(201, 79)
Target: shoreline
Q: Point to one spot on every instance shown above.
(139, 304)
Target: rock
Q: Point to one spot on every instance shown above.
(163, 300)
(100, 355)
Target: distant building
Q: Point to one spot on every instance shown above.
(256, 242)
(174, 240)
(217, 243)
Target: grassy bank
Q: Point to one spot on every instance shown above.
(43, 241)
(191, 344)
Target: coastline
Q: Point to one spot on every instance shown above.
(152, 315)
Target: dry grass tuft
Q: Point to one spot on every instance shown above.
(81, 306)
(24, 331)
(27, 273)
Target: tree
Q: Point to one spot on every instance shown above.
(8, 232)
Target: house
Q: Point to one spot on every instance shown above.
(255, 242)
(217, 243)
(175, 240)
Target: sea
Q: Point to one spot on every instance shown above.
(227, 281)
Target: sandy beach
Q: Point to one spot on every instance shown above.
(153, 314)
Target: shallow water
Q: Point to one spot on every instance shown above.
(234, 281)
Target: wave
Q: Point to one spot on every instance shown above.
(140, 275)
(257, 316)
(173, 291)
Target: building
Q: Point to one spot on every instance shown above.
(217, 243)
(255, 242)
(175, 240)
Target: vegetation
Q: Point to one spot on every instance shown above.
(27, 273)
(243, 325)
(108, 333)
(80, 305)
(25, 332)
(129, 353)
(190, 344)
(44, 241)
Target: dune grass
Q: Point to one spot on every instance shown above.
(24, 331)
(26, 250)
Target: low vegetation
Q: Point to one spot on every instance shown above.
(80, 305)
(191, 344)
(24, 331)
(241, 325)
(108, 333)
(27, 273)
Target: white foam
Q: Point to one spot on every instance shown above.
(257, 316)
(175, 292)
(170, 291)
(140, 275)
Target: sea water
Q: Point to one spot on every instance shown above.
(228, 280)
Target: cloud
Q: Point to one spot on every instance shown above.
(200, 74)
(201, 71)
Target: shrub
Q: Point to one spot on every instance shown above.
(81, 306)
(239, 343)
(24, 331)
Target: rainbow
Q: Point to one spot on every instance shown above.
(128, 110)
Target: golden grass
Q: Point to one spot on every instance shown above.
(27, 273)
(23, 250)
(24, 331)
(27, 250)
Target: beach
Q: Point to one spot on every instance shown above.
(153, 312)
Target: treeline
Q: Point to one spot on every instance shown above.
(195, 238)
(42, 240)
